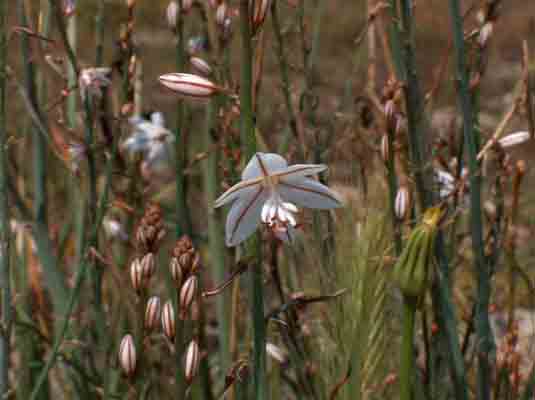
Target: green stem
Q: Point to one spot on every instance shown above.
(249, 146)
(483, 331)
(5, 273)
(183, 225)
(406, 375)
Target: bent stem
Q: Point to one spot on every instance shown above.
(407, 353)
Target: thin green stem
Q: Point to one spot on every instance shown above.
(406, 375)
(248, 139)
(5, 273)
(471, 138)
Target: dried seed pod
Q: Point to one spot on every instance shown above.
(259, 10)
(168, 321)
(188, 294)
(190, 86)
(403, 202)
(149, 266)
(176, 271)
(127, 355)
(136, 275)
(201, 66)
(192, 361)
(152, 313)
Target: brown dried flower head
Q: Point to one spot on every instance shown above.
(150, 230)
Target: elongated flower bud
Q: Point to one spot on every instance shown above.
(201, 66)
(192, 361)
(149, 266)
(136, 275)
(402, 203)
(152, 313)
(221, 14)
(189, 85)
(176, 271)
(168, 321)
(186, 5)
(258, 13)
(127, 355)
(188, 294)
(513, 139)
(385, 148)
(171, 12)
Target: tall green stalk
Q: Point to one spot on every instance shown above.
(5, 278)
(406, 375)
(248, 139)
(483, 331)
(183, 225)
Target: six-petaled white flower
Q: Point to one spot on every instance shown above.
(269, 191)
(151, 138)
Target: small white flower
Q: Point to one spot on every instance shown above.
(76, 152)
(114, 229)
(92, 80)
(514, 138)
(268, 191)
(151, 138)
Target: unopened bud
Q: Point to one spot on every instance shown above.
(168, 321)
(258, 13)
(188, 294)
(176, 271)
(276, 353)
(192, 361)
(186, 5)
(189, 85)
(201, 66)
(485, 33)
(402, 203)
(130, 3)
(152, 313)
(221, 14)
(514, 138)
(127, 355)
(385, 148)
(171, 13)
(149, 266)
(136, 275)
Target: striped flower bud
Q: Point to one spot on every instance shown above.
(152, 313)
(192, 361)
(188, 294)
(136, 275)
(149, 266)
(258, 13)
(385, 148)
(176, 271)
(171, 13)
(221, 14)
(402, 203)
(513, 139)
(201, 66)
(127, 355)
(168, 321)
(189, 85)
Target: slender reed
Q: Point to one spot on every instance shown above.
(5, 274)
(482, 326)
(247, 133)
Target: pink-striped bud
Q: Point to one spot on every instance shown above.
(136, 275)
(171, 13)
(189, 85)
(168, 321)
(258, 13)
(152, 313)
(192, 361)
(385, 148)
(176, 271)
(514, 138)
(127, 355)
(188, 294)
(200, 66)
(402, 203)
(221, 14)
(149, 266)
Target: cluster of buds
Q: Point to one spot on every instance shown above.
(150, 230)
(184, 265)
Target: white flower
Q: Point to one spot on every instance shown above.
(114, 229)
(92, 80)
(268, 191)
(151, 138)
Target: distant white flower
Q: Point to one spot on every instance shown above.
(514, 138)
(114, 229)
(151, 138)
(92, 80)
(268, 191)
(445, 181)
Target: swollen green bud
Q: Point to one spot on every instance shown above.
(411, 271)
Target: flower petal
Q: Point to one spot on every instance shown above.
(241, 189)
(262, 164)
(309, 193)
(298, 171)
(244, 217)
(158, 119)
